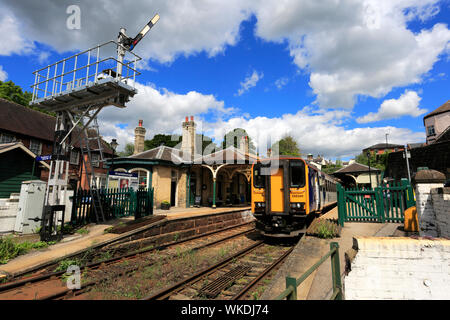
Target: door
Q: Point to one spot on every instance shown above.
(277, 191)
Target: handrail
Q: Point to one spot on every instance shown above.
(292, 283)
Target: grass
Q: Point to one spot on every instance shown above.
(324, 229)
(83, 231)
(9, 249)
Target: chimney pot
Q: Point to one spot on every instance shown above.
(192, 118)
(187, 119)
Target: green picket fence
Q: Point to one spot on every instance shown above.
(381, 204)
(116, 203)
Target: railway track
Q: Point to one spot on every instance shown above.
(52, 285)
(232, 278)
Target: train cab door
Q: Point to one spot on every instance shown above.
(277, 191)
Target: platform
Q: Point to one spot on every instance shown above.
(309, 250)
(96, 238)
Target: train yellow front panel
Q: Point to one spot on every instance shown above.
(277, 192)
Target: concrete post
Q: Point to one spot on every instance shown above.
(424, 181)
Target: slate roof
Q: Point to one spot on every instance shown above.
(384, 146)
(161, 153)
(356, 168)
(444, 108)
(229, 155)
(18, 119)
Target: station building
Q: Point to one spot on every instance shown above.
(183, 176)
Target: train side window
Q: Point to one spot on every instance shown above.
(297, 174)
(259, 180)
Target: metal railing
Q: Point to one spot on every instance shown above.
(84, 69)
(292, 283)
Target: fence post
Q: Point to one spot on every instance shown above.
(380, 203)
(293, 283)
(409, 195)
(336, 271)
(341, 205)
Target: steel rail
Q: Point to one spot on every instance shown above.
(255, 281)
(16, 284)
(167, 292)
(65, 292)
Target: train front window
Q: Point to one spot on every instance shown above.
(297, 174)
(259, 180)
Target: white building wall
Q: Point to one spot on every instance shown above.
(399, 268)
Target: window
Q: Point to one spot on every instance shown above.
(96, 160)
(36, 147)
(7, 138)
(259, 181)
(142, 179)
(74, 157)
(431, 131)
(297, 174)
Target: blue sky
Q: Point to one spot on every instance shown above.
(336, 76)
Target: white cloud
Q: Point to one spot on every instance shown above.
(162, 111)
(355, 47)
(3, 74)
(186, 27)
(316, 132)
(406, 105)
(250, 82)
(280, 83)
(350, 48)
(12, 40)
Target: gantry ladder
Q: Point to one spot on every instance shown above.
(91, 144)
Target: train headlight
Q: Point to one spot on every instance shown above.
(260, 206)
(297, 207)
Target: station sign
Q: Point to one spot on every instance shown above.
(44, 158)
(123, 174)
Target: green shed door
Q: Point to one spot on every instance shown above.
(16, 166)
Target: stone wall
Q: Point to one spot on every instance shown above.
(399, 268)
(440, 199)
(432, 203)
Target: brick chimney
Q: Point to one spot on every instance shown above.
(244, 145)
(139, 138)
(188, 139)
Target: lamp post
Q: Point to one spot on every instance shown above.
(370, 174)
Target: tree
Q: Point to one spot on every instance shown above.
(11, 92)
(128, 151)
(378, 161)
(162, 139)
(287, 147)
(331, 168)
(234, 137)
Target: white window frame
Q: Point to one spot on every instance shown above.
(36, 142)
(4, 138)
(95, 160)
(78, 157)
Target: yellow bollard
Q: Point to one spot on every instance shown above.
(411, 220)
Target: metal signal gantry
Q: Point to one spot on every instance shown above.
(76, 89)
